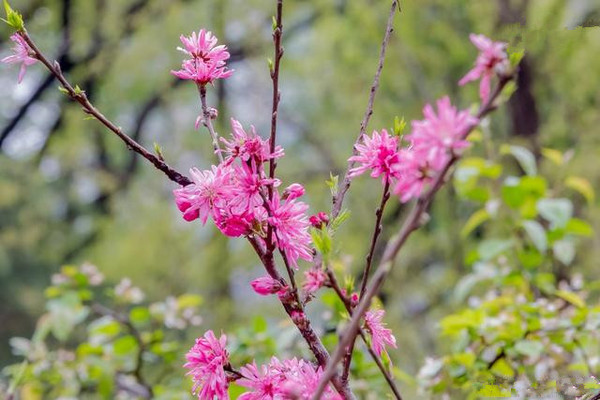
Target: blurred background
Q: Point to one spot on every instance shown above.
(71, 192)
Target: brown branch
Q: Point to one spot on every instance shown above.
(207, 122)
(348, 305)
(414, 220)
(277, 33)
(338, 199)
(369, 261)
(80, 97)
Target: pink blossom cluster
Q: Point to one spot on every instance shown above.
(235, 195)
(408, 169)
(282, 380)
(207, 60)
(21, 54)
(208, 362)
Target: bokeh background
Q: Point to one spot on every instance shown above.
(71, 192)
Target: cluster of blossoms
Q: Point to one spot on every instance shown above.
(234, 194)
(207, 60)
(21, 54)
(208, 364)
(409, 168)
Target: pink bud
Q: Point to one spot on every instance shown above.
(354, 299)
(266, 285)
(293, 191)
(323, 217)
(315, 221)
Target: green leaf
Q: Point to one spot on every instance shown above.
(139, 315)
(503, 368)
(515, 57)
(537, 234)
(399, 125)
(556, 211)
(13, 18)
(553, 155)
(571, 297)
(476, 219)
(529, 348)
(259, 324)
(491, 248)
(582, 186)
(564, 251)
(525, 158)
(125, 345)
(333, 183)
(339, 220)
(189, 301)
(576, 226)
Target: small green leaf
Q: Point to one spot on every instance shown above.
(553, 155)
(537, 234)
(399, 125)
(125, 345)
(556, 211)
(525, 158)
(571, 297)
(491, 248)
(515, 57)
(339, 220)
(476, 219)
(582, 186)
(576, 226)
(333, 183)
(564, 251)
(273, 22)
(503, 368)
(529, 348)
(13, 18)
(158, 151)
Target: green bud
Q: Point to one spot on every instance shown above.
(13, 18)
(399, 125)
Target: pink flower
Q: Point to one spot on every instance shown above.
(293, 191)
(418, 168)
(492, 55)
(444, 130)
(378, 153)
(315, 278)
(266, 285)
(248, 146)
(205, 362)
(302, 380)
(210, 188)
(234, 224)
(380, 335)
(21, 54)
(291, 229)
(265, 383)
(207, 61)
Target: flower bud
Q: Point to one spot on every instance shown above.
(266, 285)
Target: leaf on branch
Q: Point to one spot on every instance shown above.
(13, 18)
(333, 183)
(399, 125)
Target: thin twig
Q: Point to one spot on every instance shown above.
(414, 220)
(348, 305)
(80, 97)
(338, 199)
(207, 122)
(277, 34)
(385, 195)
(376, 232)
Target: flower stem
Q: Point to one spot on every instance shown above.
(207, 122)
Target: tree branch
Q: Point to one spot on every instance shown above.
(338, 199)
(80, 97)
(414, 220)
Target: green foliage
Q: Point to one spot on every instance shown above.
(530, 328)
(104, 340)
